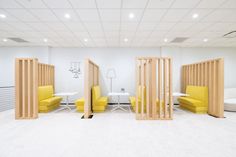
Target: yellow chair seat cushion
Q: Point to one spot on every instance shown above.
(79, 102)
(191, 101)
(50, 101)
(102, 101)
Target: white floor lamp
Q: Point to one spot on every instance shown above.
(111, 74)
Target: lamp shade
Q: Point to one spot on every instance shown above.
(111, 73)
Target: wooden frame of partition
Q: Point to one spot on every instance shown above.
(29, 74)
(154, 75)
(211, 74)
(45, 74)
(91, 78)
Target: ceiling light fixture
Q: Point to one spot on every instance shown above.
(3, 16)
(126, 40)
(45, 40)
(205, 40)
(67, 16)
(194, 16)
(165, 40)
(131, 15)
(4, 40)
(86, 40)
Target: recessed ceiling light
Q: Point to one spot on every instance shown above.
(165, 40)
(67, 16)
(126, 40)
(131, 15)
(194, 16)
(45, 40)
(5, 40)
(3, 16)
(85, 39)
(205, 40)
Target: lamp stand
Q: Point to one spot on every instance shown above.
(110, 84)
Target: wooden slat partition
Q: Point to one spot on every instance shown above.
(211, 74)
(45, 74)
(154, 75)
(26, 84)
(91, 79)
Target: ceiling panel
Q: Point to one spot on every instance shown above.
(175, 15)
(60, 13)
(134, 3)
(160, 3)
(32, 4)
(83, 4)
(9, 4)
(221, 15)
(229, 4)
(57, 3)
(153, 15)
(206, 4)
(201, 14)
(111, 26)
(185, 4)
(9, 17)
(88, 15)
(44, 15)
(75, 26)
(22, 15)
(138, 13)
(108, 3)
(110, 15)
(39, 26)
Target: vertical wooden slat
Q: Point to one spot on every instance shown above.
(160, 87)
(17, 88)
(170, 90)
(153, 83)
(165, 87)
(142, 88)
(147, 88)
(138, 74)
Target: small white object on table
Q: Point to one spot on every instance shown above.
(118, 94)
(66, 94)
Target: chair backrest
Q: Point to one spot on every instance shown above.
(230, 93)
(45, 92)
(198, 92)
(96, 93)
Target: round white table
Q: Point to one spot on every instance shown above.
(66, 94)
(118, 94)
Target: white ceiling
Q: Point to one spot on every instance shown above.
(106, 23)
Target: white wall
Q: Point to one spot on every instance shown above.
(121, 59)
(7, 61)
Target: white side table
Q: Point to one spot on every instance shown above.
(118, 94)
(66, 94)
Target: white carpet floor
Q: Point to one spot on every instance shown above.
(117, 134)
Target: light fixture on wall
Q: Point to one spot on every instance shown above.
(75, 69)
(111, 74)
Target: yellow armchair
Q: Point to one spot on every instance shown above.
(197, 101)
(47, 102)
(98, 103)
(133, 100)
(79, 103)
